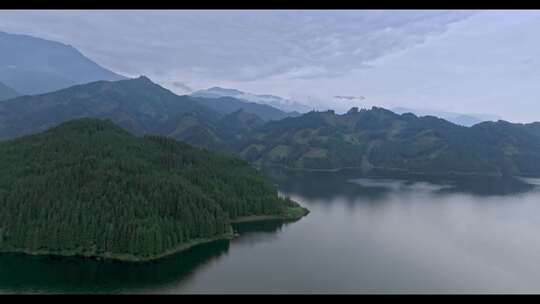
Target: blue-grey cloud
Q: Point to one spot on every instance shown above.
(233, 45)
(349, 97)
(474, 61)
(182, 86)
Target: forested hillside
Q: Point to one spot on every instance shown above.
(369, 140)
(378, 139)
(138, 105)
(88, 187)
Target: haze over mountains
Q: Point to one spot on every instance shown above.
(375, 139)
(457, 118)
(250, 126)
(374, 123)
(283, 104)
(31, 65)
(138, 105)
(296, 108)
(228, 105)
(7, 92)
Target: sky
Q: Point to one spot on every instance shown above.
(458, 61)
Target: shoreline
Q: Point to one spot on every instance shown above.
(128, 258)
(124, 258)
(376, 171)
(256, 218)
(260, 218)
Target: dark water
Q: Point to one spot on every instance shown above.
(362, 235)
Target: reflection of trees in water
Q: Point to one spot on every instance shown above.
(64, 275)
(19, 273)
(325, 186)
(489, 187)
(255, 232)
(332, 186)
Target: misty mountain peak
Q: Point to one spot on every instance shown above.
(33, 65)
(229, 92)
(144, 79)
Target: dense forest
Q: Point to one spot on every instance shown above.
(88, 187)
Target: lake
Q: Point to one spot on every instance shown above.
(363, 235)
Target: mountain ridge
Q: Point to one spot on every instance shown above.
(138, 105)
(467, 120)
(31, 65)
(282, 104)
(7, 92)
(374, 139)
(381, 140)
(228, 105)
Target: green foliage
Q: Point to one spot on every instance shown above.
(91, 188)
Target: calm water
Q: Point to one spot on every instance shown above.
(362, 235)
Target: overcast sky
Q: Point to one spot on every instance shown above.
(462, 61)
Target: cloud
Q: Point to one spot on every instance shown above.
(350, 97)
(182, 86)
(233, 45)
(445, 60)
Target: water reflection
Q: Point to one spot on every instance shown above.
(350, 185)
(40, 274)
(19, 273)
(363, 235)
(256, 232)
(322, 186)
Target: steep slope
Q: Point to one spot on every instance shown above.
(227, 105)
(32, 65)
(89, 188)
(138, 105)
(7, 92)
(237, 125)
(380, 140)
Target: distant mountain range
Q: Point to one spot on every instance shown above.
(283, 104)
(7, 92)
(227, 105)
(457, 118)
(378, 140)
(293, 108)
(375, 140)
(138, 105)
(31, 65)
